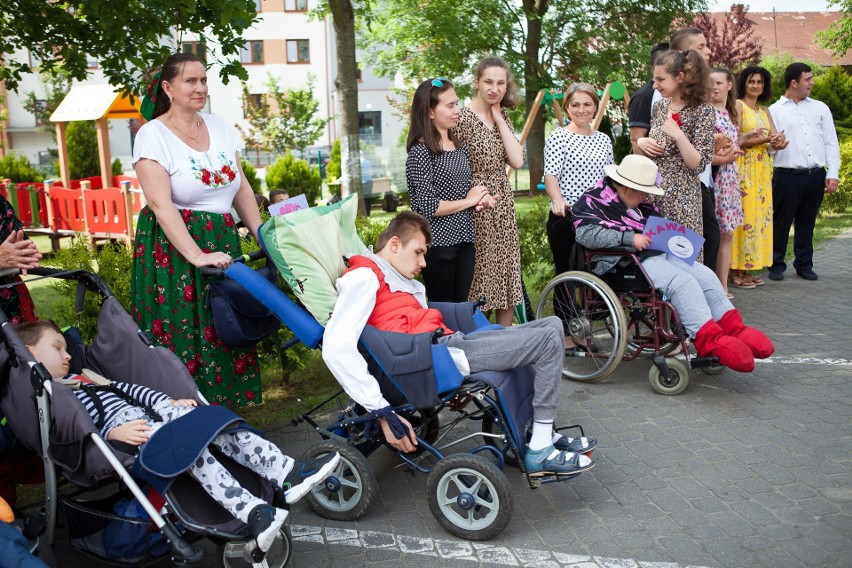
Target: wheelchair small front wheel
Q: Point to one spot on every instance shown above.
(678, 382)
(593, 317)
(349, 497)
(470, 497)
(231, 554)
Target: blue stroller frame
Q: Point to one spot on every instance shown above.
(52, 422)
(468, 493)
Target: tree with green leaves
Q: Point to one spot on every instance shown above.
(838, 37)
(547, 44)
(125, 37)
(286, 119)
(56, 83)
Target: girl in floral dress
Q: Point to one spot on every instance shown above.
(726, 183)
(680, 140)
(190, 172)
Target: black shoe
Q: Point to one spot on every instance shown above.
(807, 273)
(776, 274)
(264, 524)
(307, 473)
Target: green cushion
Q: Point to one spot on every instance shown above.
(307, 247)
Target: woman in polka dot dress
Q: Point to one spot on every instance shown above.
(438, 175)
(574, 158)
(485, 128)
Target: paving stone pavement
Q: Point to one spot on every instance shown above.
(738, 471)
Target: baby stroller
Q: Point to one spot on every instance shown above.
(468, 492)
(159, 509)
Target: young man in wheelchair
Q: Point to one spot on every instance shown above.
(614, 215)
(379, 289)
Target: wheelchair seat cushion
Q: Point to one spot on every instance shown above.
(315, 241)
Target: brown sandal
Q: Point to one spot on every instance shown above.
(742, 282)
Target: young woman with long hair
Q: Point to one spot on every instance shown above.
(438, 175)
(485, 128)
(681, 137)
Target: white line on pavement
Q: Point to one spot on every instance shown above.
(464, 550)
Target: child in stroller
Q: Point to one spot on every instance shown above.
(129, 414)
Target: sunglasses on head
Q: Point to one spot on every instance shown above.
(439, 82)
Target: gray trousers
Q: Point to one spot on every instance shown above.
(540, 343)
(694, 290)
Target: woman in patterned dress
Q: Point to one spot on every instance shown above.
(726, 183)
(16, 251)
(681, 136)
(438, 175)
(752, 242)
(190, 172)
(485, 127)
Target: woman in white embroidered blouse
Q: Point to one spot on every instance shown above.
(189, 170)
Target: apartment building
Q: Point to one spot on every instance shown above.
(286, 43)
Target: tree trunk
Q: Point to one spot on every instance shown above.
(534, 10)
(346, 84)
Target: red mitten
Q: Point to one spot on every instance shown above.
(760, 345)
(732, 353)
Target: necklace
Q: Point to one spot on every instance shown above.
(193, 138)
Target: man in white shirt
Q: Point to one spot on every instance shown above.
(803, 172)
(380, 289)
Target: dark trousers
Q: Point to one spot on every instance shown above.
(561, 237)
(796, 197)
(449, 272)
(712, 234)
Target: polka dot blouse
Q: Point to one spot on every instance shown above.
(434, 178)
(576, 160)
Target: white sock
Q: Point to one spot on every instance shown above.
(556, 436)
(542, 434)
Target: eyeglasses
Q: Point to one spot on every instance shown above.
(439, 82)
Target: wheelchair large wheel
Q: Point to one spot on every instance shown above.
(679, 381)
(231, 555)
(593, 318)
(470, 497)
(349, 489)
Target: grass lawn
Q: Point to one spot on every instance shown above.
(283, 401)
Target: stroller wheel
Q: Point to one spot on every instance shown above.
(675, 385)
(348, 491)
(231, 555)
(470, 497)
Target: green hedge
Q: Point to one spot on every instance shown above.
(295, 177)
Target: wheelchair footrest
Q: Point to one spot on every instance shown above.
(703, 362)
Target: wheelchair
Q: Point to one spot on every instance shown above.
(618, 317)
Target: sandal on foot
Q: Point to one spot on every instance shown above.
(742, 282)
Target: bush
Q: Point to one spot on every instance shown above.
(251, 176)
(842, 198)
(18, 168)
(834, 88)
(117, 168)
(536, 258)
(333, 170)
(295, 177)
(82, 140)
(113, 262)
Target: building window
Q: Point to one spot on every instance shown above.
(295, 5)
(370, 127)
(197, 48)
(359, 76)
(42, 107)
(255, 101)
(252, 52)
(298, 51)
(258, 5)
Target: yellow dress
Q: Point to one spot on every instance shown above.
(752, 244)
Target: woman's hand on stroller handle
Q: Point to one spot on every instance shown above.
(214, 269)
(135, 432)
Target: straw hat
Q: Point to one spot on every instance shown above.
(636, 172)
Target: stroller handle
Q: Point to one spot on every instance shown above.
(92, 281)
(217, 272)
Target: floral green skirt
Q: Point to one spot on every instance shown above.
(167, 298)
